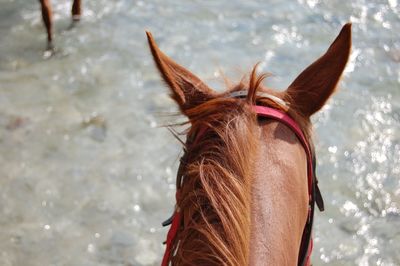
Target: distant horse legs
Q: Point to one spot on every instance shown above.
(76, 10)
(47, 16)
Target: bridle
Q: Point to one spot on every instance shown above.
(314, 193)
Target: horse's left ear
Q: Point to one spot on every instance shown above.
(312, 88)
(187, 89)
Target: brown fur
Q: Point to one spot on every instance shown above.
(216, 190)
(244, 196)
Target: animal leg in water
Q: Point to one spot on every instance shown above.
(76, 10)
(47, 16)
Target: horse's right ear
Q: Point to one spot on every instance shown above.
(312, 88)
(187, 89)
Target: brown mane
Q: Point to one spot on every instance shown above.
(215, 195)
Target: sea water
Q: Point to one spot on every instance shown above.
(87, 169)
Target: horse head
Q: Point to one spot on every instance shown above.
(246, 186)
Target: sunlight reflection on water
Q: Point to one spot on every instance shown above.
(88, 175)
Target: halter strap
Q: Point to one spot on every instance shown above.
(264, 111)
(306, 239)
(260, 94)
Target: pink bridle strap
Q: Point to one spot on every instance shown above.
(284, 118)
(280, 116)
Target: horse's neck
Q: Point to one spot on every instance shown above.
(279, 197)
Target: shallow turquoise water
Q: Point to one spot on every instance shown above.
(86, 173)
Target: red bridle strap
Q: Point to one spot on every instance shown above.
(284, 118)
(280, 116)
(176, 221)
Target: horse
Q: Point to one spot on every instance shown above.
(246, 183)
(47, 16)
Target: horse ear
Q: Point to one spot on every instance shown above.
(187, 89)
(312, 88)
